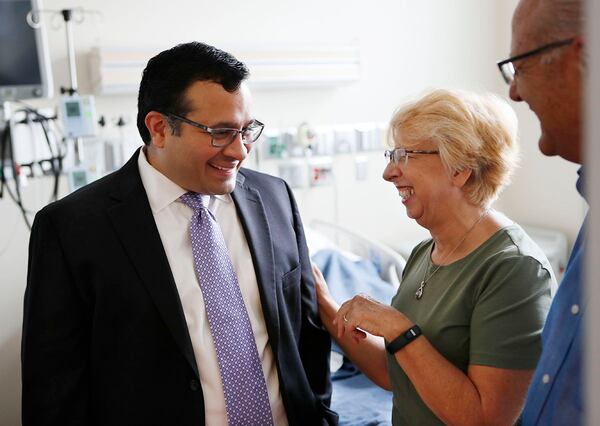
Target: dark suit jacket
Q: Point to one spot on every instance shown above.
(104, 336)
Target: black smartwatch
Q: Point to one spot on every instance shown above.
(403, 340)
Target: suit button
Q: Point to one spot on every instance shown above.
(194, 385)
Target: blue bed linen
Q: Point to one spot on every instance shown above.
(357, 400)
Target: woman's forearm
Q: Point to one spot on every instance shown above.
(445, 389)
(486, 395)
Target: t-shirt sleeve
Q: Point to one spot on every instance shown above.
(509, 314)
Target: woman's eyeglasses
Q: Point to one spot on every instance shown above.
(399, 156)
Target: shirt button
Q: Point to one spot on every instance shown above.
(575, 309)
(194, 385)
(545, 378)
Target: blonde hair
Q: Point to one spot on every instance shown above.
(471, 131)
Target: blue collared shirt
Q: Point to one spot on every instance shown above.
(556, 392)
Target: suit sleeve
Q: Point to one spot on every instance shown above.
(315, 343)
(55, 345)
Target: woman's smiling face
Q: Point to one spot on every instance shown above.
(423, 182)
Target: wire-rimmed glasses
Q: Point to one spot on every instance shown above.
(507, 67)
(222, 137)
(399, 156)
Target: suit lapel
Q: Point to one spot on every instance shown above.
(252, 214)
(132, 219)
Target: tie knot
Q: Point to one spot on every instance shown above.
(194, 200)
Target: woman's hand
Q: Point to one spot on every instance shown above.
(327, 306)
(320, 284)
(370, 356)
(363, 314)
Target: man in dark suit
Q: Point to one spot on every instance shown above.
(117, 324)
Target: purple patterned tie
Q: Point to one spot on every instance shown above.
(244, 385)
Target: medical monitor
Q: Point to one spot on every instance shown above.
(24, 60)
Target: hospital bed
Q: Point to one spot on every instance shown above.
(330, 235)
(351, 264)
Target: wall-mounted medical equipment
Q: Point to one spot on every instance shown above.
(324, 143)
(320, 171)
(322, 140)
(78, 177)
(294, 172)
(76, 111)
(27, 152)
(307, 156)
(369, 137)
(274, 146)
(78, 116)
(25, 71)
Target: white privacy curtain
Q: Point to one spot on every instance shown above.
(592, 158)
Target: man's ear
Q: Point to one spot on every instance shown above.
(157, 125)
(460, 177)
(575, 57)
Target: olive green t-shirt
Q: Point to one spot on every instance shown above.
(487, 308)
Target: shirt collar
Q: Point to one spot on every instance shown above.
(226, 198)
(161, 190)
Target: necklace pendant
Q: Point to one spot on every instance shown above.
(419, 292)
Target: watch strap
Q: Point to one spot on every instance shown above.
(403, 339)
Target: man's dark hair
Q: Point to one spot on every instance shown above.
(168, 75)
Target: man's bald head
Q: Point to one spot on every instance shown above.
(549, 20)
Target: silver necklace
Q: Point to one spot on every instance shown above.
(421, 289)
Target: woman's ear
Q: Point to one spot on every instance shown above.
(460, 177)
(157, 125)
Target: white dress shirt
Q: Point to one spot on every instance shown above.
(172, 219)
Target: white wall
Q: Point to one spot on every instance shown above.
(406, 47)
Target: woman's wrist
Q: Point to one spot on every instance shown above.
(327, 309)
(398, 325)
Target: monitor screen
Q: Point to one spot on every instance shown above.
(25, 66)
(73, 109)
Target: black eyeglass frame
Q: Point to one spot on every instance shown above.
(391, 153)
(211, 131)
(501, 64)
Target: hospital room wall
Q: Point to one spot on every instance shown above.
(406, 47)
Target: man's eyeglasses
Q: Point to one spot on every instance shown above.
(399, 156)
(507, 67)
(225, 136)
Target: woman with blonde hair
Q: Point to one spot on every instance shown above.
(460, 341)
